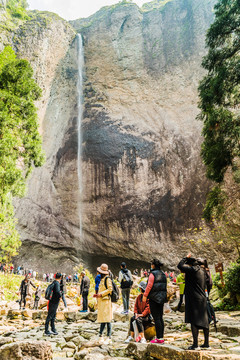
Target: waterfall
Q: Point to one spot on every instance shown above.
(80, 60)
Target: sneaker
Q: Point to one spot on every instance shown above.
(193, 347)
(143, 341)
(101, 339)
(107, 341)
(54, 332)
(123, 312)
(83, 311)
(47, 333)
(205, 347)
(138, 339)
(65, 309)
(157, 341)
(128, 340)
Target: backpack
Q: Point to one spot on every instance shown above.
(49, 291)
(115, 292)
(126, 281)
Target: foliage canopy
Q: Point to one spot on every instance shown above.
(219, 91)
(20, 142)
(17, 8)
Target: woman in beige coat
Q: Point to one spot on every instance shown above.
(104, 315)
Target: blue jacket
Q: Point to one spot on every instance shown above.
(97, 282)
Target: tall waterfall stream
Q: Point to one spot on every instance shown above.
(80, 59)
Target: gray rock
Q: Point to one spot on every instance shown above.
(37, 350)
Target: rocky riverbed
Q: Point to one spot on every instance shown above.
(21, 338)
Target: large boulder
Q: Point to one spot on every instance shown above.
(26, 350)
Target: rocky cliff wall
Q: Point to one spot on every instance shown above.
(143, 178)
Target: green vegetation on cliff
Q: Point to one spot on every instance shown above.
(219, 91)
(20, 145)
(219, 104)
(17, 8)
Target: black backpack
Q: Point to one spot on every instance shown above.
(115, 292)
(126, 281)
(49, 291)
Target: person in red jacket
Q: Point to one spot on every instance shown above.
(141, 315)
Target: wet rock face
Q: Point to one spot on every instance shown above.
(143, 179)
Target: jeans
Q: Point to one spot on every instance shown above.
(23, 299)
(157, 313)
(64, 300)
(125, 298)
(85, 299)
(142, 322)
(109, 328)
(35, 306)
(52, 310)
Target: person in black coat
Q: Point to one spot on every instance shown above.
(195, 298)
(53, 305)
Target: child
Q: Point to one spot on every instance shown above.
(37, 294)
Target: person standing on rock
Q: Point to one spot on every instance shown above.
(156, 292)
(141, 316)
(53, 305)
(181, 283)
(126, 281)
(63, 288)
(24, 290)
(37, 294)
(84, 290)
(104, 315)
(195, 299)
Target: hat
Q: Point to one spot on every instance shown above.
(123, 264)
(142, 285)
(103, 269)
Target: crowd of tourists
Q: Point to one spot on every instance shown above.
(194, 282)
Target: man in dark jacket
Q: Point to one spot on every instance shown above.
(195, 299)
(53, 305)
(24, 289)
(84, 290)
(126, 281)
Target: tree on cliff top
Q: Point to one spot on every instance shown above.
(20, 142)
(220, 91)
(17, 8)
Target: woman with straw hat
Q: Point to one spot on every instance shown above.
(104, 315)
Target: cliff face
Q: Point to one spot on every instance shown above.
(143, 180)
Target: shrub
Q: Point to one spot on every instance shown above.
(232, 279)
